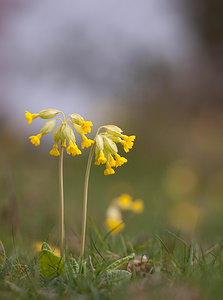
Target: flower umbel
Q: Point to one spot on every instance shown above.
(114, 220)
(63, 132)
(106, 148)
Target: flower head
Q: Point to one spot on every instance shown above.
(63, 132)
(106, 149)
(114, 219)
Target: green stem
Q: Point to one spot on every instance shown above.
(85, 201)
(61, 202)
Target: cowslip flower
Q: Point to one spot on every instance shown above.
(114, 225)
(137, 206)
(114, 220)
(63, 132)
(124, 202)
(106, 151)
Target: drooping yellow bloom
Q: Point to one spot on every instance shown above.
(101, 159)
(108, 170)
(127, 142)
(54, 151)
(86, 126)
(35, 139)
(112, 162)
(137, 206)
(116, 225)
(124, 202)
(86, 142)
(30, 117)
(119, 160)
(73, 149)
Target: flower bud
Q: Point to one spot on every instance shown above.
(75, 118)
(99, 142)
(67, 133)
(113, 130)
(109, 145)
(48, 127)
(48, 113)
(76, 127)
(57, 134)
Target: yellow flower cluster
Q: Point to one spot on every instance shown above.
(106, 151)
(114, 220)
(63, 132)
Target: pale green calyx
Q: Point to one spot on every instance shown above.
(77, 119)
(48, 127)
(48, 113)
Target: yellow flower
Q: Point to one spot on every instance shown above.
(116, 225)
(86, 126)
(137, 206)
(108, 170)
(119, 160)
(124, 201)
(63, 144)
(54, 151)
(101, 159)
(38, 245)
(86, 142)
(73, 149)
(127, 142)
(112, 162)
(29, 117)
(35, 139)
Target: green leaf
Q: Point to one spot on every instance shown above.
(74, 266)
(119, 262)
(117, 276)
(50, 265)
(45, 246)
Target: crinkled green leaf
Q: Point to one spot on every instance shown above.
(50, 265)
(117, 276)
(74, 265)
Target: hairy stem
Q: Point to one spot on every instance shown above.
(61, 202)
(85, 201)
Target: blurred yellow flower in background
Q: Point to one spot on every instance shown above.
(115, 225)
(137, 206)
(184, 216)
(114, 220)
(124, 202)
